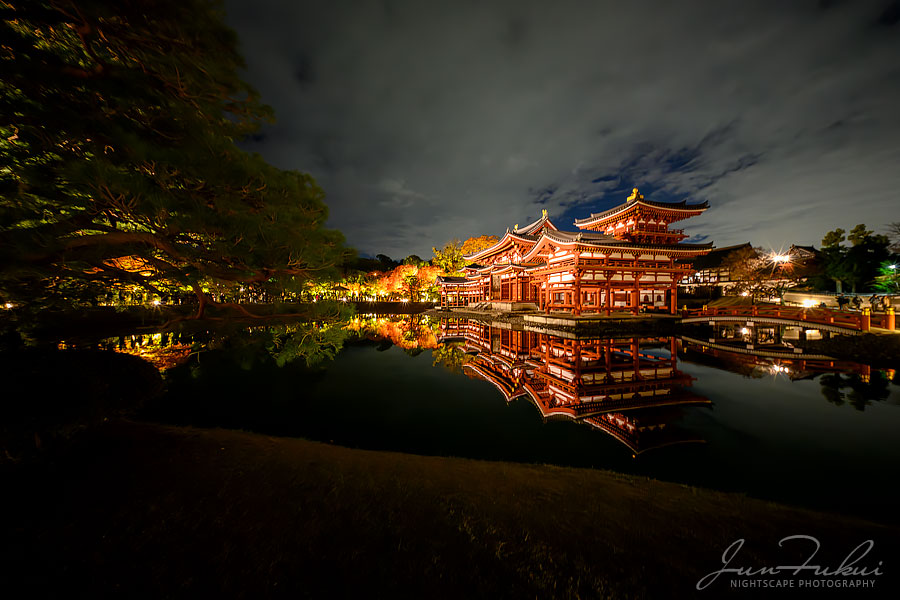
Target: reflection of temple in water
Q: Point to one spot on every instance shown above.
(629, 388)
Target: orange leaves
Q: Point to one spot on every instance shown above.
(476, 244)
(394, 282)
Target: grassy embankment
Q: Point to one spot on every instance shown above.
(153, 511)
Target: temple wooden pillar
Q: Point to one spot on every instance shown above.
(608, 300)
(636, 358)
(576, 272)
(577, 310)
(576, 362)
(636, 298)
(673, 299)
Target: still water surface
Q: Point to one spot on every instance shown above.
(814, 433)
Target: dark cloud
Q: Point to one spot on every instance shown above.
(426, 121)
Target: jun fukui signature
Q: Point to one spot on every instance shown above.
(847, 568)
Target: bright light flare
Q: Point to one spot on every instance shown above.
(809, 303)
(8, 305)
(156, 303)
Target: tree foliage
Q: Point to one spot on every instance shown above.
(415, 260)
(855, 265)
(858, 235)
(408, 281)
(118, 131)
(888, 278)
(758, 275)
(450, 257)
(477, 244)
(833, 239)
(893, 233)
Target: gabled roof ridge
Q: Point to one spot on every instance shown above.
(544, 218)
(733, 247)
(508, 234)
(682, 205)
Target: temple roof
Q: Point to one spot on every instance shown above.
(595, 239)
(507, 237)
(803, 251)
(531, 228)
(448, 279)
(638, 199)
(585, 237)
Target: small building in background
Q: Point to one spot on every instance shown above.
(712, 269)
(732, 269)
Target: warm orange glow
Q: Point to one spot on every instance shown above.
(132, 264)
(162, 358)
(407, 334)
(394, 282)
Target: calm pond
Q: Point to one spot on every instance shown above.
(815, 433)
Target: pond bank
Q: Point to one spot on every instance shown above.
(150, 510)
(876, 350)
(106, 321)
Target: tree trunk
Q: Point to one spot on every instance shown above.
(203, 300)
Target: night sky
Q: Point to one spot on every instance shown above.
(424, 121)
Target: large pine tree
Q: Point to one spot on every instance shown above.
(118, 157)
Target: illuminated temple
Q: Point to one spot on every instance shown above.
(623, 259)
(629, 388)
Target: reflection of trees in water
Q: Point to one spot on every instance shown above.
(163, 350)
(860, 390)
(450, 356)
(311, 343)
(411, 333)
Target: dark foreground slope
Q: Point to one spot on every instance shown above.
(151, 511)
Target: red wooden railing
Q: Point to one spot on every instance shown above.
(860, 321)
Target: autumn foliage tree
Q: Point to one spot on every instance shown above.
(450, 257)
(118, 131)
(477, 244)
(407, 281)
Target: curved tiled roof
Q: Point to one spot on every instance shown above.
(601, 240)
(678, 206)
(507, 236)
(584, 237)
(531, 227)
